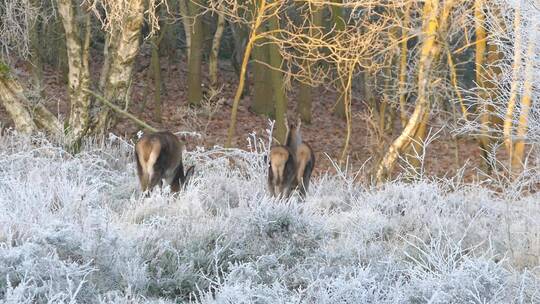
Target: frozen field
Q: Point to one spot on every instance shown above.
(74, 229)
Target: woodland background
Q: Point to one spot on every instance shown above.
(373, 81)
(424, 116)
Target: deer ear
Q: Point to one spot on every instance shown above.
(298, 122)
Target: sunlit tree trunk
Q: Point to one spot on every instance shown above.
(194, 84)
(429, 51)
(123, 48)
(257, 22)
(77, 45)
(516, 69)
(526, 101)
(483, 108)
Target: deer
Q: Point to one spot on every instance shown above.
(290, 165)
(303, 155)
(159, 156)
(281, 171)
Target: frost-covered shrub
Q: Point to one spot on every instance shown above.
(74, 228)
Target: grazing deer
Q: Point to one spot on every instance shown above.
(159, 156)
(303, 156)
(281, 171)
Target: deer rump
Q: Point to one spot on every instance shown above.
(281, 171)
(159, 156)
(305, 162)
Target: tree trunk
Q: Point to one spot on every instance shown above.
(305, 99)
(195, 58)
(125, 43)
(339, 23)
(483, 109)
(10, 94)
(214, 54)
(428, 53)
(35, 54)
(156, 75)
(280, 96)
(78, 75)
(262, 92)
(526, 101)
(26, 117)
(402, 91)
(184, 12)
(516, 69)
(258, 18)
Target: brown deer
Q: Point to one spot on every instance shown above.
(303, 156)
(281, 171)
(159, 156)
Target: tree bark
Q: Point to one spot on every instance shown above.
(26, 116)
(339, 23)
(428, 53)
(485, 115)
(125, 45)
(35, 54)
(195, 58)
(305, 100)
(214, 54)
(10, 95)
(156, 75)
(280, 96)
(526, 102)
(516, 69)
(305, 96)
(258, 18)
(403, 67)
(79, 74)
(184, 12)
(262, 92)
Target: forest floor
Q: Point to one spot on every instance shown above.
(326, 133)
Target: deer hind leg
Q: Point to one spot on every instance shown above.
(305, 179)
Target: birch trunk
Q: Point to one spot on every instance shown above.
(27, 117)
(78, 71)
(214, 54)
(125, 45)
(10, 95)
(429, 51)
